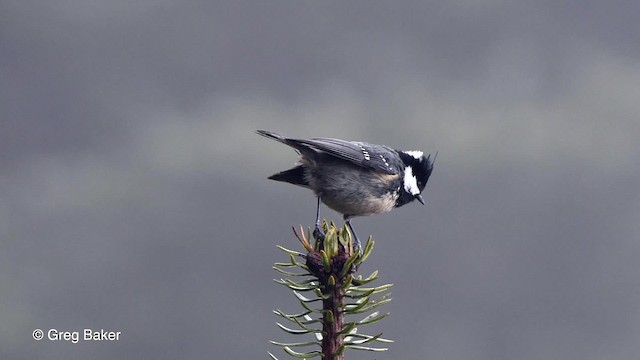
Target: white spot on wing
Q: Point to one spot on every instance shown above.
(365, 153)
(410, 182)
(385, 162)
(417, 154)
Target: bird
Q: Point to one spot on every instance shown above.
(355, 178)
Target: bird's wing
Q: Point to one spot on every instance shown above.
(359, 153)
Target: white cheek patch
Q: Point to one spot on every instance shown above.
(416, 154)
(410, 182)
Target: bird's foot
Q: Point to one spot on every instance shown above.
(319, 235)
(355, 241)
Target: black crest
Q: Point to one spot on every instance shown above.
(422, 166)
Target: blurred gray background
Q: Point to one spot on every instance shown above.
(133, 191)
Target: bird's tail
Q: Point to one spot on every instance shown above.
(293, 176)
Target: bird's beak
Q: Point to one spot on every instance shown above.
(419, 197)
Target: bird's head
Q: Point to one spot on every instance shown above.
(417, 169)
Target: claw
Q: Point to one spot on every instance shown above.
(318, 234)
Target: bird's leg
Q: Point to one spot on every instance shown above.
(356, 241)
(318, 234)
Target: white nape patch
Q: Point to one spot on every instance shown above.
(410, 182)
(417, 154)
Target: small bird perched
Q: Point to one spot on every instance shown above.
(355, 178)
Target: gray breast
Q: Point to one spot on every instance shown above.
(352, 190)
